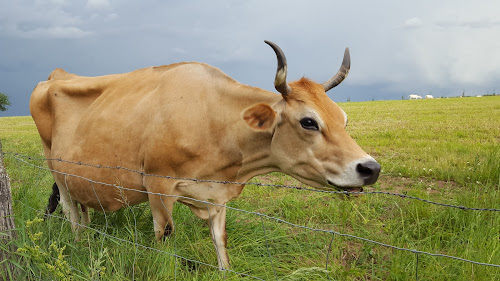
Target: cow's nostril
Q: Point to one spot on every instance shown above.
(369, 171)
(364, 171)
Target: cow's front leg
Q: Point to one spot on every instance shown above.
(161, 208)
(217, 223)
(215, 216)
(85, 218)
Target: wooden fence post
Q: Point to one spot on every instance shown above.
(7, 224)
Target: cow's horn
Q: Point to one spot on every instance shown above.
(280, 80)
(341, 74)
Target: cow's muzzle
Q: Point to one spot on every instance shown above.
(368, 171)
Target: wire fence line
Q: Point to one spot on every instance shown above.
(19, 157)
(26, 160)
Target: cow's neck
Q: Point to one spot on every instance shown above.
(256, 157)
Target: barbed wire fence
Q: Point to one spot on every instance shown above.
(27, 160)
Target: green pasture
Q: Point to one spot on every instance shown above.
(441, 150)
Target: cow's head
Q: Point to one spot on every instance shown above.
(309, 141)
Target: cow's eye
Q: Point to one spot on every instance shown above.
(309, 124)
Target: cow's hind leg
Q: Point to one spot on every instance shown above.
(53, 201)
(70, 208)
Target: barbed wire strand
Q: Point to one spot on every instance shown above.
(416, 267)
(267, 247)
(134, 235)
(416, 252)
(273, 218)
(328, 254)
(172, 232)
(105, 215)
(16, 155)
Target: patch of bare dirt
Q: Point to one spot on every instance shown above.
(350, 253)
(402, 184)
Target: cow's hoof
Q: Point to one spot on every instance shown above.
(168, 232)
(190, 265)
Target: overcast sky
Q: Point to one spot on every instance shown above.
(397, 48)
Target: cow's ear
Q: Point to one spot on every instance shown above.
(260, 117)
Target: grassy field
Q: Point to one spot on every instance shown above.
(442, 150)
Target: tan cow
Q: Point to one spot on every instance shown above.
(190, 120)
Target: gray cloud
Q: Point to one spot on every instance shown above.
(396, 47)
(53, 32)
(40, 19)
(475, 23)
(98, 4)
(413, 22)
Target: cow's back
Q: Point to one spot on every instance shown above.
(61, 102)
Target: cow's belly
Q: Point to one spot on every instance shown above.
(101, 188)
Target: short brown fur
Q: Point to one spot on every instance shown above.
(185, 120)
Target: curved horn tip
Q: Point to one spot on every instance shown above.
(270, 43)
(341, 73)
(280, 79)
(347, 58)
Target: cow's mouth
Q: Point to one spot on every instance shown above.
(346, 188)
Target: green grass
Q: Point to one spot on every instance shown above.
(443, 150)
(442, 139)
